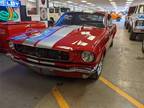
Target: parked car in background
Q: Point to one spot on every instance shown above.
(11, 29)
(74, 47)
(131, 11)
(135, 22)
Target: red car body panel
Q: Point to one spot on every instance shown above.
(11, 29)
(64, 41)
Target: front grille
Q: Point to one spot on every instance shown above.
(42, 53)
(140, 23)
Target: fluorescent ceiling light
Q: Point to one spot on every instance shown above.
(130, 0)
(69, 2)
(113, 3)
(89, 3)
(32, 0)
(83, 1)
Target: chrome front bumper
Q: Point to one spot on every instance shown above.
(52, 67)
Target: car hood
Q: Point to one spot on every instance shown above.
(64, 37)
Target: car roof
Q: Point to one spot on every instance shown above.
(136, 5)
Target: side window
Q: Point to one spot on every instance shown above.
(132, 10)
(141, 9)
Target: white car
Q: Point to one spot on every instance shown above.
(131, 11)
(136, 22)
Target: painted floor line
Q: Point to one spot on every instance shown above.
(59, 98)
(122, 93)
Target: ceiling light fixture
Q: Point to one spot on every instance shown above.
(32, 0)
(89, 3)
(69, 2)
(130, 0)
(114, 4)
(83, 1)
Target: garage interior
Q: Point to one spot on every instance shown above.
(121, 84)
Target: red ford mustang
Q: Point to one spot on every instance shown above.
(11, 29)
(74, 47)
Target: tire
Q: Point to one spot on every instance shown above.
(129, 28)
(143, 46)
(126, 26)
(132, 35)
(111, 45)
(97, 74)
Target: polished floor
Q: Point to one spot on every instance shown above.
(123, 68)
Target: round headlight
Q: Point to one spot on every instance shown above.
(87, 56)
(11, 45)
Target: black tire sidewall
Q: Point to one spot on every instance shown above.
(143, 46)
(132, 35)
(96, 76)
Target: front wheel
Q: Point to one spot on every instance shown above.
(126, 25)
(111, 45)
(132, 35)
(129, 28)
(143, 46)
(98, 71)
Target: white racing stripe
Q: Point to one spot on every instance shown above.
(50, 41)
(35, 38)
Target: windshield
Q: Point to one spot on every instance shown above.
(81, 19)
(141, 9)
(131, 10)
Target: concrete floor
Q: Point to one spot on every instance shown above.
(123, 66)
